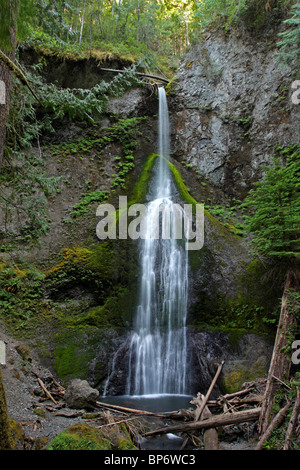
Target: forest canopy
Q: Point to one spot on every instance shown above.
(150, 31)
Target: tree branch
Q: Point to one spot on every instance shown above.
(155, 77)
(18, 73)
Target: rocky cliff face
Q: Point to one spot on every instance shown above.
(231, 106)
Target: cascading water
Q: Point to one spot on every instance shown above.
(158, 352)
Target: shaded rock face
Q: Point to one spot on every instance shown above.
(246, 358)
(231, 105)
(108, 370)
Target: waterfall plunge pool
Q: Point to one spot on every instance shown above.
(157, 403)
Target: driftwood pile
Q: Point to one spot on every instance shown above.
(231, 409)
(209, 416)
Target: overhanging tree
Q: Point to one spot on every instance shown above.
(274, 222)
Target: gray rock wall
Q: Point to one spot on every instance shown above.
(231, 105)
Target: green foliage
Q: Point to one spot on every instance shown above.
(24, 190)
(21, 297)
(274, 206)
(14, 19)
(208, 11)
(25, 185)
(250, 13)
(229, 216)
(81, 207)
(79, 437)
(51, 19)
(290, 39)
(84, 104)
(72, 269)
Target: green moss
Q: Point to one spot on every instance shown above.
(40, 412)
(72, 354)
(71, 266)
(22, 305)
(79, 437)
(141, 188)
(40, 443)
(112, 313)
(111, 261)
(126, 444)
(186, 197)
(170, 88)
(239, 373)
(16, 433)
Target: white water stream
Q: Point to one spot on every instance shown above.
(158, 351)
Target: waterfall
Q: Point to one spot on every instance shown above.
(158, 351)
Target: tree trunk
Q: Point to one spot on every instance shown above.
(5, 437)
(280, 363)
(292, 423)
(277, 420)
(81, 26)
(6, 77)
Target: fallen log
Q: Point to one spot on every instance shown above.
(171, 414)
(204, 400)
(117, 422)
(292, 422)
(147, 75)
(18, 73)
(75, 414)
(46, 391)
(229, 396)
(277, 420)
(211, 441)
(213, 422)
(210, 436)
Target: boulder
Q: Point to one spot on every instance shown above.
(79, 394)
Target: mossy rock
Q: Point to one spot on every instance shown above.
(118, 436)
(73, 352)
(40, 443)
(80, 437)
(236, 373)
(24, 352)
(126, 444)
(17, 435)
